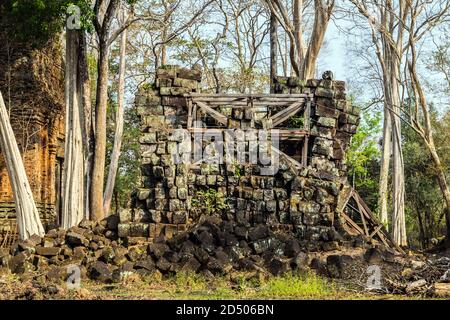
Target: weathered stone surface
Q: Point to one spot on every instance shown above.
(75, 239)
(259, 232)
(100, 271)
(47, 251)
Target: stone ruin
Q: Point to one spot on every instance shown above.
(300, 198)
(279, 211)
(32, 84)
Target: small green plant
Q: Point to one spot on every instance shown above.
(238, 170)
(210, 201)
(295, 122)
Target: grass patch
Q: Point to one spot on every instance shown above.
(297, 286)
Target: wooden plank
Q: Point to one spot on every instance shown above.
(305, 150)
(378, 228)
(343, 198)
(363, 219)
(285, 114)
(307, 117)
(189, 119)
(239, 95)
(213, 113)
(294, 162)
(194, 114)
(368, 212)
(352, 223)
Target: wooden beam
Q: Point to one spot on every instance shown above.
(213, 113)
(297, 165)
(378, 228)
(343, 198)
(285, 114)
(307, 117)
(244, 96)
(305, 150)
(352, 223)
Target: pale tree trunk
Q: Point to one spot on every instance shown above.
(74, 164)
(384, 170)
(298, 30)
(87, 120)
(26, 212)
(321, 19)
(394, 63)
(273, 51)
(303, 58)
(98, 170)
(113, 166)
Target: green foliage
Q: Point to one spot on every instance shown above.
(363, 157)
(36, 21)
(239, 171)
(424, 202)
(295, 122)
(210, 201)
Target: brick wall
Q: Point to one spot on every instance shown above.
(31, 81)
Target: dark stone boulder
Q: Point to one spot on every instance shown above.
(146, 264)
(74, 239)
(373, 256)
(163, 265)
(133, 254)
(337, 264)
(107, 255)
(258, 232)
(319, 266)
(292, 248)
(191, 265)
(158, 249)
(201, 255)
(100, 271)
(278, 266)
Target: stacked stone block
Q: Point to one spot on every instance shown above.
(333, 122)
(161, 204)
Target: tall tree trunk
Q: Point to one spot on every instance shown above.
(119, 128)
(273, 50)
(398, 214)
(87, 120)
(440, 176)
(27, 214)
(384, 170)
(74, 168)
(298, 31)
(322, 16)
(98, 170)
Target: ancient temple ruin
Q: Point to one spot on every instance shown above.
(273, 160)
(33, 89)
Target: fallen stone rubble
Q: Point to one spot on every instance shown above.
(212, 247)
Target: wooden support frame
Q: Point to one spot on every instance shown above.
(371, 227)
(259, 103)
